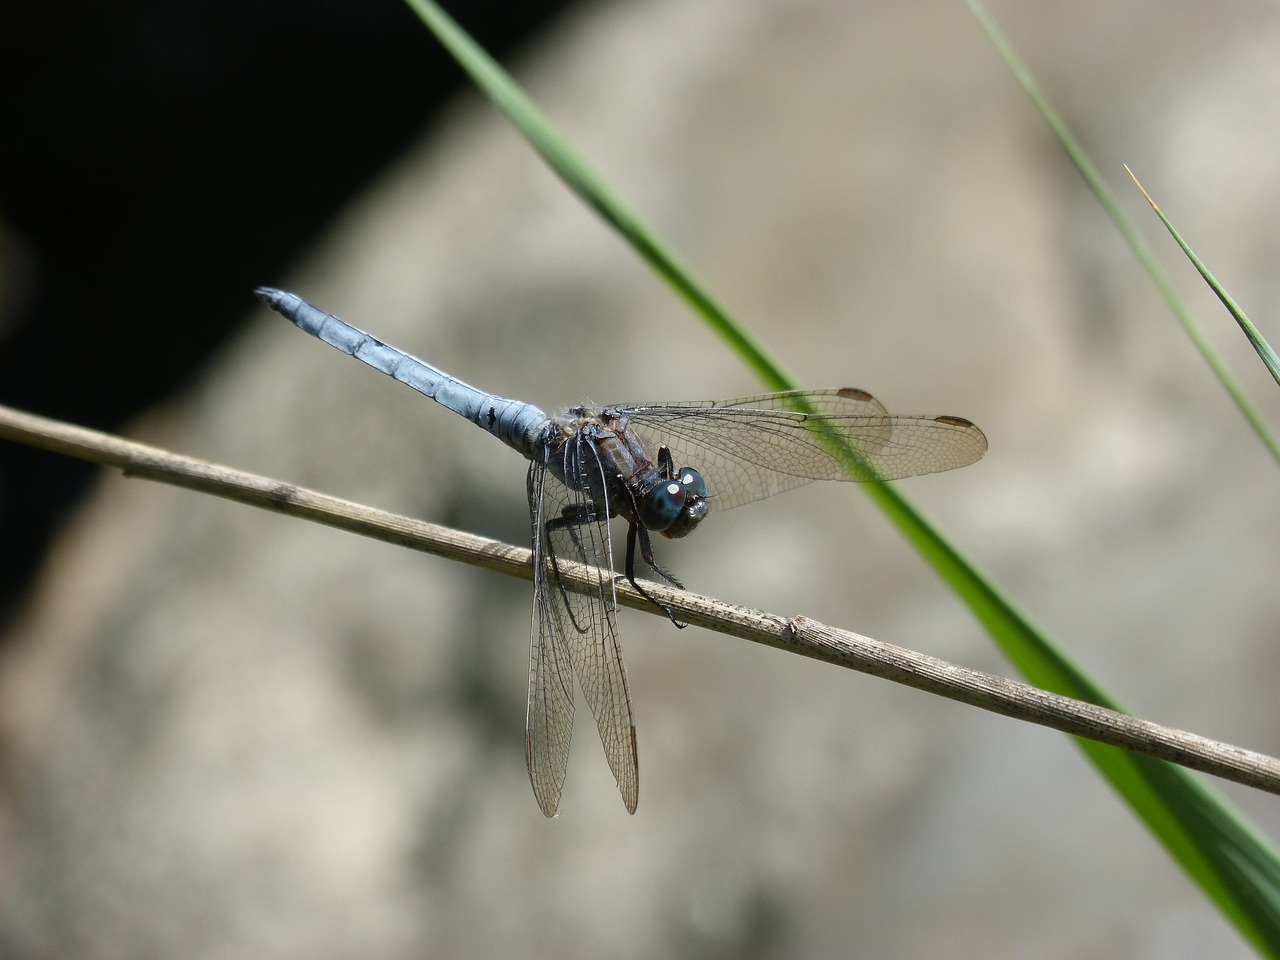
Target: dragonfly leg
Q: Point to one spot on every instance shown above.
(570, 519)
(666, 466)
(646, 551)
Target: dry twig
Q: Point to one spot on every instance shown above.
(800, 635)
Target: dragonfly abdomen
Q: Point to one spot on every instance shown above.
(515, 423)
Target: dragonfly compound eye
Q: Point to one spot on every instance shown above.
(662, 505)
(692, 482)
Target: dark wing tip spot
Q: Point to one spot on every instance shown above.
(853, 393)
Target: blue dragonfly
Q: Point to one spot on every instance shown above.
(589, 465)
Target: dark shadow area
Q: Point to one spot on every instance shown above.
(159, 160)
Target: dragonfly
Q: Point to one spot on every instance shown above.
(590, 465)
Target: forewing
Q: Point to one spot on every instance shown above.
(750, 448)
(549, 721)
(581, 627)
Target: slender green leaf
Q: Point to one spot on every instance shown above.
(1258, 341)
(1089, 173)
(1234, 864)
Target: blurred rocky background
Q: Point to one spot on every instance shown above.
(225, 733)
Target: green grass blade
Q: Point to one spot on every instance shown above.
(1235, 866)
(497, 84)
(1259, 342)
(1089, 173)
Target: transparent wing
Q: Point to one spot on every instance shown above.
(574, 634)
(549, 721)
(754, 447)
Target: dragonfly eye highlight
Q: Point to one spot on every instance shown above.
(663, 504)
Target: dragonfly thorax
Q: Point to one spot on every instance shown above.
(593, 451)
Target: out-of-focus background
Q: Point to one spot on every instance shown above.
(227, 733)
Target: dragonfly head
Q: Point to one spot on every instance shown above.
(675, 506)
